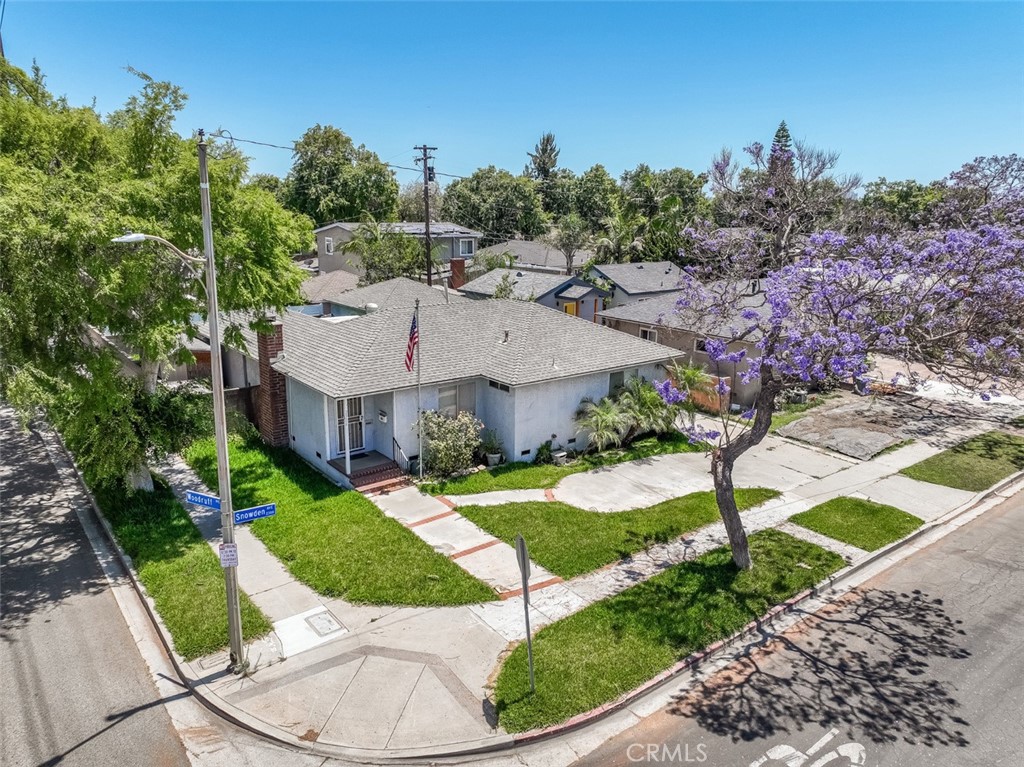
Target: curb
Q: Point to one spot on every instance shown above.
(53, 440)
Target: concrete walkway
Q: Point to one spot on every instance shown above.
(401, 681)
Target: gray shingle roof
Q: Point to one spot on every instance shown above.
(525, 285)
(579, 291)
(536, 253)
(661, 310)
(399, 292)
(321, 287)
(643, 276)
(415, 228)
(366, 354)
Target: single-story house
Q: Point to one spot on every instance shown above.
(339, 394)
(315, 289)
(398, 292)
(571, 295)
(451, 240)
(659, 319)
(535, 256)
(639, 280)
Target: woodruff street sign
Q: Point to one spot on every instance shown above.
(202, 499)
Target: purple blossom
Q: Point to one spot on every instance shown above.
(668, 392)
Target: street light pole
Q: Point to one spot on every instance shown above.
(227, 523)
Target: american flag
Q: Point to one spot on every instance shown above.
(410, 349)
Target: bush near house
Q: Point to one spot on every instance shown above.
(333, 540)
(570, 541)
(974, 465)
(451, 443)
(178, 568)
(614, 645)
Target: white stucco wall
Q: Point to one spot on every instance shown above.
(307, 425)
(405, 417)
(496, 409)
(549, 408)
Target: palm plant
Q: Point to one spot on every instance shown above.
(603, 421)
(692, 379)
(623, 240)
(644, 410)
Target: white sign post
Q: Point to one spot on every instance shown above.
(524, 568)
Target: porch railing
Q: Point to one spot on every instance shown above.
(400, 457)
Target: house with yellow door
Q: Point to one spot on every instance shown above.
(569, 294)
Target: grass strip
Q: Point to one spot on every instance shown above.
(570, 541)
(178, 569)
(518, 475)
(864, 524)
(335, 541)
(613, 646)
(974, 465)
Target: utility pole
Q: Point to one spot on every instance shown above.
(428, 176)
(227, 522)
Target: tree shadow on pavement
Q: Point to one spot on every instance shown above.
(862, 664)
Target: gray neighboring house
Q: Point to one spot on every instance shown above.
(338, 392)
(571, 295)
(636, 281)
(536, 256)
(398, 292)
(452, 240)
(657, 319)
(316, 289)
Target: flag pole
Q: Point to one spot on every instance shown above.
(419, 406)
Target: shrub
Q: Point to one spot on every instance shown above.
(544, 454)
(451, 443)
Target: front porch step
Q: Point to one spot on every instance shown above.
(385, 486)
(383, 476)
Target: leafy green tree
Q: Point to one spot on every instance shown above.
(603, 422)
(69, 181)
(543, 158)
(558, 192)
(901, 204)
(386, 254)
(498, 204)
(410, 201)
(596, 197)
(332, 179)
(570, 236)
(505, 287)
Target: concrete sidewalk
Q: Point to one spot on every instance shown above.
(376, 682)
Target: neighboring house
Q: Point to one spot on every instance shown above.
(450, 240)
(635, 281)
(339, 394)
(658, 319)
(390, 294)
(317, 289)
(571, 295)
(535, 256)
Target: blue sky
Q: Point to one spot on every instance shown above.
(909, 90)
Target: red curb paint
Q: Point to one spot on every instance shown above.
(548, 494)
(446, 501)
(475, 549)
(431, 519)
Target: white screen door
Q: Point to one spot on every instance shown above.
(355, 425)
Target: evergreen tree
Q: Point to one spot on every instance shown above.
(543, 158)
(780, 162)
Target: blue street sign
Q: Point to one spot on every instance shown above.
(256, 512)
(202, 499)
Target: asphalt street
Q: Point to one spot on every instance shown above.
(75, 689)
(922, 665)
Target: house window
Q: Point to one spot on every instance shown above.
(455, 399)
(618, 379)
(700, 345)
(328, 245)
(498, 386)
(649, 334)
(467, 247)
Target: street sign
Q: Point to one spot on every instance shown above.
(229, 555)
(256, 512)
(523, 556)
(202, 499)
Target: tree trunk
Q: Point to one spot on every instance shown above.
(140, 478)
(721, 470)
(150, 371)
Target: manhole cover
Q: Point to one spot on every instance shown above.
(324, 623)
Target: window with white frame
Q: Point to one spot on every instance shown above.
(328, 245)
(457, 398)
(649, 334)
(467, 247)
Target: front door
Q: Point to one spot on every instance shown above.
(570, 309)
(354, 425)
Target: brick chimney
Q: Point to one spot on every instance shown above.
(458, 278)
(272, 410)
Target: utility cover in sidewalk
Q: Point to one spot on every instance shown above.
(323, 623)
(307, 630)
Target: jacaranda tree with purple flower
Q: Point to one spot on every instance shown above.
(950, 300)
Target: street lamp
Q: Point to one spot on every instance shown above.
(227, 523)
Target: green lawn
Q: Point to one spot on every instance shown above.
(570, 541)
(335, 541)
(526, 476)
(179, 570)
(614, 645)
(975, 465)
(864, 524)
